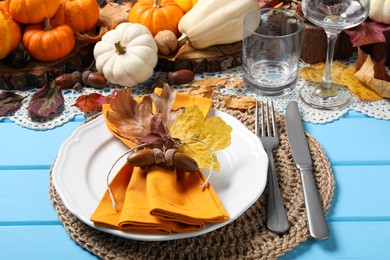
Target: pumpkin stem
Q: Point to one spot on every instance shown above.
(119, 48)
(47, 26)
(156, 4)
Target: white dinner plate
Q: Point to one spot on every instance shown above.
(85, 158)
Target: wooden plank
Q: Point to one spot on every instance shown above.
(39, 242)
(25, 194)
(343, 140)
(24, 147)
(348, 240)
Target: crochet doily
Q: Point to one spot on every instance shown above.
(246, 237)
(378, 109)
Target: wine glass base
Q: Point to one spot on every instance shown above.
(327, 102)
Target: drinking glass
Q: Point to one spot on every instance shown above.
(333, 16)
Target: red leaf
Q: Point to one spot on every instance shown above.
(45, 101)
(9, 101)
(269, 3)
(93, 101)
(367, 33)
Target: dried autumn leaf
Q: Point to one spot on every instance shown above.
(316, 72)
(113, 13)
(93, 101)
(213, 132)
(90, 37)
(236, 83)
(45, 101)
(209, 81)
(243, 103)
(202, 91)
(133, 119)
(366, 74)
(379, 67)
(269, 3)
(356, 87)
(164, 105)
(367, 33)
(9, 101)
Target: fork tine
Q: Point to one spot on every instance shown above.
(268, 119)
(274, 124)
(262, 120)
(257, 130)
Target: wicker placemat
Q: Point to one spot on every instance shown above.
(246, 237)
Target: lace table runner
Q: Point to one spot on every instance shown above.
(378, 109)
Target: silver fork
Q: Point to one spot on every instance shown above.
(276, 214)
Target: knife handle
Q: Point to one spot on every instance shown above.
(318, 227)
(277, 220)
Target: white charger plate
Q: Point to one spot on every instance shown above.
(85, 158)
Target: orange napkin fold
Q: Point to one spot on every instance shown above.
(157, 200)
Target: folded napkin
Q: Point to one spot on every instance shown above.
(157, 200)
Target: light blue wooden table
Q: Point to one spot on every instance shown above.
(359, 219)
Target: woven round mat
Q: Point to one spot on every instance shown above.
(246, 237)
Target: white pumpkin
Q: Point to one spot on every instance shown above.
(126, 55)
(380, 11)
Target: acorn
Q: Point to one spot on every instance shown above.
(94, 79)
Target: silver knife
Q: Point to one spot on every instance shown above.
(318, 227)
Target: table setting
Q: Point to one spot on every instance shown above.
(162, 148)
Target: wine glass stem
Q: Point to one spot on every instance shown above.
(327, 78)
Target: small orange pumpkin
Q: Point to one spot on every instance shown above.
(80, 15)
(156, 15)
(4, 4)
(186, 5)
(47, 43)
(10, 33)
(32, 11)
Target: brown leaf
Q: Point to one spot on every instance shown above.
(164, 105)
(90, 37)
(236, 83)
(113, 13)
(46, 101)
(133, 119)
(315, 72)
(243, 103)
(209, 81)
(366, 74)
(202, 91)
(379, 67)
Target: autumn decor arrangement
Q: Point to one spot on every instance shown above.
(73, 44)
(167, 149)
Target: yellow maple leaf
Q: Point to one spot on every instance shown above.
(200, 136)
(356, 87)
(316, 72)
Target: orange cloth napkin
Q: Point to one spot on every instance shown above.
(159, 201)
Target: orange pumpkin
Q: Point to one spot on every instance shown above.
(47, 43)
(80, 15)
(10, 33)
(186, 5)
(32, 11)
(4, 4)
(156, 15)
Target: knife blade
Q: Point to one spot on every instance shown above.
(318, 227)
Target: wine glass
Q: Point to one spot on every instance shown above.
(333, 16)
